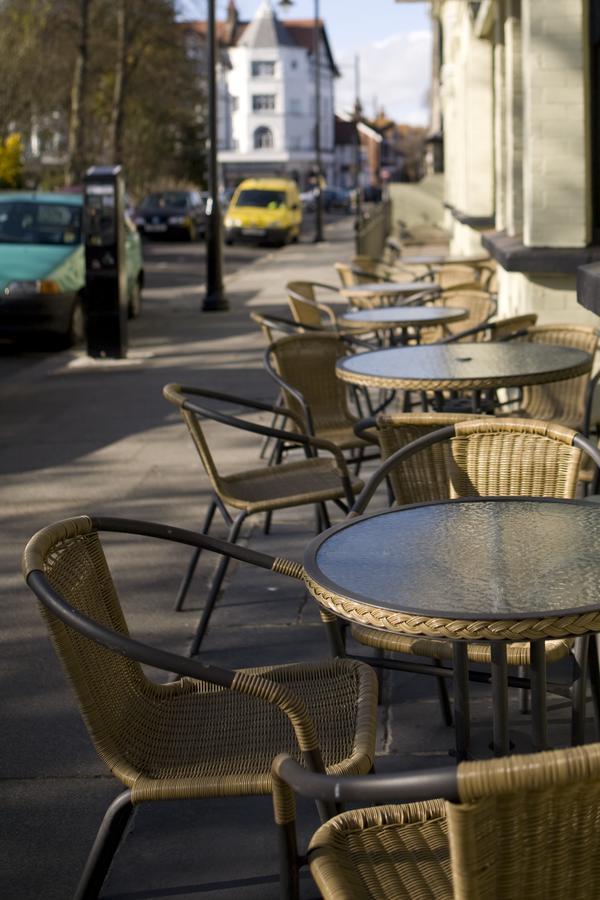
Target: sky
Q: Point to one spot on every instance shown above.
(392, 41)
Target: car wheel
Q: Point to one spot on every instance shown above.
(134, 306)
(74, 336)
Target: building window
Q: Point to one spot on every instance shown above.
(262, 68)
(235, 104)
(263, 138)
(263, 102)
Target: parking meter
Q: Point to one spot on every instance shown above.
(105, 262)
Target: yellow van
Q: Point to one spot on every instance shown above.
(264, 209)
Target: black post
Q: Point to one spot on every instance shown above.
(215, 298)
(318, 195)
(357, 156)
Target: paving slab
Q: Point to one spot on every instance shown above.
(82, 438)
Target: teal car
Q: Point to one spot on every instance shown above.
(42, 266)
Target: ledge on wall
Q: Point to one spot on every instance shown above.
(514, 256)
(588, 287)
(481, 223)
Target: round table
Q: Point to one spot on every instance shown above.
(432, 259)
(464, 366)
(405, 316)
(458, 570)
(387, 290)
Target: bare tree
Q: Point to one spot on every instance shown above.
(77, 114)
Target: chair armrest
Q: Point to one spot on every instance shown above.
(367, 430)
(476, 329)
(409, 787)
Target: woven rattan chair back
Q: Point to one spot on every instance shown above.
(304, 306)
(480, 308)
(513, 325)
(560, 401)
(350, 276)
(487, 457)
(112, 690)
(451, 275)
(303, 303)
(307, 363)
(527, 826)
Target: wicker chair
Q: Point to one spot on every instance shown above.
(474, 456)
(521, 826)
(480, 307)
(349, 276)
(313, 480)
(304, 368)
(508, 329)
(307, 310)
(273, 326)
(565, 402)
(453, 274)
(211, 733)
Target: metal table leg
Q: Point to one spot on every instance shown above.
(538, 693)
(500, 698)
(578, 690)
(461, 699)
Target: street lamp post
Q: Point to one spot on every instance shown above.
(214, 298)
(286, 4)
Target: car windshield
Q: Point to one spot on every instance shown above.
(264, 199)
(33, 222)
(172, 199)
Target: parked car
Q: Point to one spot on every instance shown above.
(179, 214)
(333, 200)
(42, 266)
(336, 200)
(264, 209)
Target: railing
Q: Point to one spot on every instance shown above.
(375, 225)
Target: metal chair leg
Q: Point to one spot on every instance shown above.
(216, 585)
(187, 578)
(104, 847)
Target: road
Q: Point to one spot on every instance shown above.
(175, 274)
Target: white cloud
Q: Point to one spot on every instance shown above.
(395, 73)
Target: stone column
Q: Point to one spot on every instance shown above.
(555, 139)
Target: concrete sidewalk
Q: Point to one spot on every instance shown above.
(81, 438)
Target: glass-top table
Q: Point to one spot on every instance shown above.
(405, 316)
(435, 259)
(494, 569)
(464, 366)
(387, 291)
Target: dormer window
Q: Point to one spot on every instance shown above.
(262, 69)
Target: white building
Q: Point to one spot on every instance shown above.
(271, 83)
